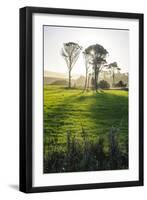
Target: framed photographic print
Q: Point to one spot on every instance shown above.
(81, 99)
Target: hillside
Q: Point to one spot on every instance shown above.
(55, 74)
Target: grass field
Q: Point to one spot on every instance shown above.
(71, 109)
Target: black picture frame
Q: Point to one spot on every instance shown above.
(26, 89)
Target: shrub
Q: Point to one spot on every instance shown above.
(120, 84)
(103, 84)
(86, 154)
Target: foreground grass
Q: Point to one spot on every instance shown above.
(70, 110)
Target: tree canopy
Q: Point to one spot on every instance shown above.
(70, 53)
(97, 58)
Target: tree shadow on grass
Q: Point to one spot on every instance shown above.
(101, 106)
(105, 105)
(102, 110)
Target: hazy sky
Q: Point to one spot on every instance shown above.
(115, 41)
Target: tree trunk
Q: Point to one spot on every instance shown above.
(88, 81)
(69, 82)
(113, 79)
(85, 87)
(113, 76)
(95, 79)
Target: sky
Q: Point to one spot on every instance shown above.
(116, 42)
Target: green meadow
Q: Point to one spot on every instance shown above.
(71, 110)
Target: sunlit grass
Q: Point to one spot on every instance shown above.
(70, 109)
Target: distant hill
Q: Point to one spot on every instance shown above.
(50, 80)
(57, 78)
(59, 75)
(60, 82)
(52, 77)
(79, 81)
(54, 74)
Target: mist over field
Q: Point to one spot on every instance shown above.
(52, 78)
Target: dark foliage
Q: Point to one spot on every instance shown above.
(87, 155)
(120, 84)
(103, 84)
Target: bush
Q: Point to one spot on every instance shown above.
(87, 155)
(120, 84)
(103, 84)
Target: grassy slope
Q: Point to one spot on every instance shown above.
(66, 110)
